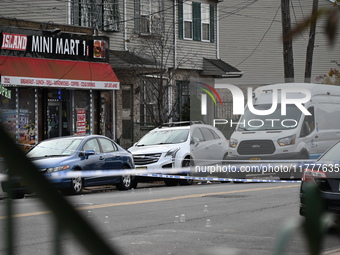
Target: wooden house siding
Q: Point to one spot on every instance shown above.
(37, 10)
(145, 44)
(250, 40)
(190, 53)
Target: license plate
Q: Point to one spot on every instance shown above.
(141, 167)
(255, 159)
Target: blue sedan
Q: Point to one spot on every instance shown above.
(59, 156)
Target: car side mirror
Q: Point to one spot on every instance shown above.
(89, 152)
(194, 141)
(86, 154)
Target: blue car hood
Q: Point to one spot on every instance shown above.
(51, 161)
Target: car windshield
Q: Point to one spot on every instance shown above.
(274, 121)
(56, 147)
(164, 136)
(333, 154)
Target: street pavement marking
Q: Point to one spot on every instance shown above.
(151, 201)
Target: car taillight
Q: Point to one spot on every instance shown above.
(309, 175)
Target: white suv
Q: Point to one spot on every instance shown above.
(176, 145)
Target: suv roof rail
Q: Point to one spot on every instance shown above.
(181, 123)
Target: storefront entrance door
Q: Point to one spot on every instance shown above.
(54, 119)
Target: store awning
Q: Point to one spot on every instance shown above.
(39, 72)
(220, 69)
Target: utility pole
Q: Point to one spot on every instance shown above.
(311, 40)
(288, 60)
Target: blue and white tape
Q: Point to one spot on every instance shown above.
(196, 178)
(179, 173)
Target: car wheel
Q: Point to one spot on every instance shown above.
(304, 155)
(186, 163)
(16, 195)
(76, 185)
(126, 182)
(225, 158)
(171, 182)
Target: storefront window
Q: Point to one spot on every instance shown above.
(8, 113)
(82, 112)
(106, 114)
(27, 125)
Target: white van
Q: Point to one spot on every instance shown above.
(295, 135)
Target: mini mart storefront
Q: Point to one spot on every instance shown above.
(58, 85)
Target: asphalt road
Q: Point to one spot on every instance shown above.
(244, 219)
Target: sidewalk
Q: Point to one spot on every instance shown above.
(332, 252)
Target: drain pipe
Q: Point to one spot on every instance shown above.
(217, 33)
(125, 33)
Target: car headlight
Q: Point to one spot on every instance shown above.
(289, 140)
(233, 143)
(56, 169)
(172, 152)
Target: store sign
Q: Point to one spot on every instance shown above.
(61, 46)
(60, 83)
(5, 92)
(81, 121)
(14, 42)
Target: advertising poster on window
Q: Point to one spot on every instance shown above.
(99, 49)
(26, 128)
(8, 119)
(81, 121)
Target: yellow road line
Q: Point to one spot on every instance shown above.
(152, 200)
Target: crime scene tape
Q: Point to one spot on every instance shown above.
(174, 173)
(214, 178)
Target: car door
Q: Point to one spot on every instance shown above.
(92, 162)
(113, 160)
(213, 146)
(197, 146)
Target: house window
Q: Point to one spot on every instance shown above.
(187, 20)
(111, 15)
(102, 14)
(205, 22)
(183, 101)
(87, 13)
(196, 21)
(148, 17)
(148, 103)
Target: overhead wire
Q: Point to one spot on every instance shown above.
(225, 12)
(264, 35)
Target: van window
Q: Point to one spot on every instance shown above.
(274, 121)
(308, 124)
(327, 116)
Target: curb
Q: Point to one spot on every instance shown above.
(332, 252)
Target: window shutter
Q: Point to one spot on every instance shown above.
(137, 16)
(196, 16)
(212, 23)
(180, 19)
